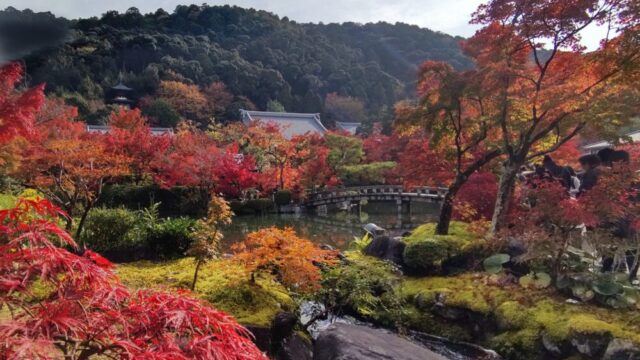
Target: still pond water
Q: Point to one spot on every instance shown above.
(337, 228)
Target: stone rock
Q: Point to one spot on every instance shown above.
(282, 325)
(560, 349)
(386, 248)
(262, 336)
(591, 345)
(621, 350)
(356, 342)
(295, 347)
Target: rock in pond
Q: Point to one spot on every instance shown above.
(356, 342)
(386, 248)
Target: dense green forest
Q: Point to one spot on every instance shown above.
(260, 57)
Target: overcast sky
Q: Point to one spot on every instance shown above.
(448, 16)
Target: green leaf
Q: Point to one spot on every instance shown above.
(536, 280)
(582, 292)
(563, 282)
(493, 264)
(606, 288)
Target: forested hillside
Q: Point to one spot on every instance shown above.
(260, 57)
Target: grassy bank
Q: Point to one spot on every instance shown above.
(220, 282)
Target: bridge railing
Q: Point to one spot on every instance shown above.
(429, 191)
(423, 191)
(354, 191)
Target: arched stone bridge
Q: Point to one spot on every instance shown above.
(354, 196)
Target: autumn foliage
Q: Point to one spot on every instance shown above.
(60, 304)
(295, 261)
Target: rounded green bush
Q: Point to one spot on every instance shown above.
(110, 230)
(283, 197)
(426, 255)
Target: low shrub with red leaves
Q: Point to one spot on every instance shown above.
(62, 305)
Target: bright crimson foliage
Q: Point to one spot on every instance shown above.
(86, 311)
(17, 109)
(131, 137)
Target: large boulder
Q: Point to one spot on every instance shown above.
(355, 342)
(386, 248)
(622, 350)
(295, 347)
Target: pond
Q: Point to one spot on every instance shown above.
(336, 228)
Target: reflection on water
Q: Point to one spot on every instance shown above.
(337, 229)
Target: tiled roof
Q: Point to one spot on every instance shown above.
(291, 124)
(105, 129)
(351, 127)
(595, 146)
(122, 87)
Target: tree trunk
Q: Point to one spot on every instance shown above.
(87, 208)
(446, 209)
(505, 190)
(282, 177)
(195, 276)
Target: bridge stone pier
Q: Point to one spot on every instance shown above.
(353, 196)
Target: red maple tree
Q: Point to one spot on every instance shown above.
(64, 305)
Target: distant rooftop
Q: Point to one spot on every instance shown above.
(103, 129)
(350, 127)
(121, 87)
(292, 124)
(599, 145)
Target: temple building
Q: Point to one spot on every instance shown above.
(121, 94)
(350, 127)
(291, 124)
(594, 147)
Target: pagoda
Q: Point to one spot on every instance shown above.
(121, 94)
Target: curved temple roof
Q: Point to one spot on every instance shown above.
(291, 124)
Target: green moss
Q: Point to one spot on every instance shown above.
(510, 315)
(520, 344)
(419, 320)
(463, 291)
(365, 286)
(220, 282)
(426, 251)
(7, 201)
(457, 230)
(522, 313)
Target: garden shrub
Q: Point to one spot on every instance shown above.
(171, 237)
(121, 234)
(177, 200)
(426, 255)
(111, 230)
(251, 207)
(260, 205)
(282, 197)
(364, 287)
(426, 252)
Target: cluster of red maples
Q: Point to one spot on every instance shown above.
(60, 304)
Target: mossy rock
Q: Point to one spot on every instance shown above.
(220, 282)
(365, 287)
(525, 316)
(429, 253)
(522, 344)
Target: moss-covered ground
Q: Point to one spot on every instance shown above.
(519, 317)
(220, 282)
